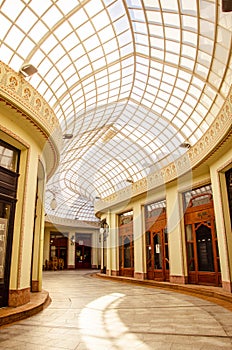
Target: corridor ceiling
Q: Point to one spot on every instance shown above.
(131, 80)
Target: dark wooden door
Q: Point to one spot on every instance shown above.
(59, 247)
(83, 257)
(201, 242)
(126, 250)
(157, 255)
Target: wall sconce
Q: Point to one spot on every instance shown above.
(27, 70)
(72, 240)
(53, 203)
(67, 136)
(185, 145)
(104, 231)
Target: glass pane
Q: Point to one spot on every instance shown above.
(8, 158)
(148, 238)
(127, 255)
(125, 218)
(204, 249)
(166, 236)
(120, 255)
(190, 253)
(4, 218)
(149, 257)
(195, 192)
(166, 257)
(158, 252)
(229, 191)
(154, 209)
(189, 233)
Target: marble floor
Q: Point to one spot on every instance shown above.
(88, 313)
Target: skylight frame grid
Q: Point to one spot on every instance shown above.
(165, 91)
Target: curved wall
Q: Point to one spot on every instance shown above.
(28, 124)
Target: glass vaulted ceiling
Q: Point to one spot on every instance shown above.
(130, 79)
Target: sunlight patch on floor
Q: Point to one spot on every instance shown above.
(101, 327)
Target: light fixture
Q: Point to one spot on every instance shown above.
(67, 136)
(53, 203)
(27, 70)
(72, 240)
(185, 145)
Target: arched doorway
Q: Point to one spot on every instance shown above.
(126, 245)
(201, 241)
(157, 255)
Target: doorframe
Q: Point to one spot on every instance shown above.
(157, 224)
(202, 213)
(126, 231)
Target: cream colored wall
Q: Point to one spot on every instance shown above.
(38, 245)
(222, 216)
(46, 245)
(17, 135)
(175, 239)
(113, 233)
(138, 239)
(71, 250)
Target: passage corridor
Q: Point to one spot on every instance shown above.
(88, 313)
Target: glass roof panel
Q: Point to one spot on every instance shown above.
(131, 80)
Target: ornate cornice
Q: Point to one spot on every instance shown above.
(17, 93)
(216, 135)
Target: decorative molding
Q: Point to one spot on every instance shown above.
(18, 90)
(214, 137)
(19, 95)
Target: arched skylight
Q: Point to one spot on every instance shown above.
(130, 79)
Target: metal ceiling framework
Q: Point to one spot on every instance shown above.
(131, 80)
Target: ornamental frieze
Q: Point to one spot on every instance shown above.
(18, 91)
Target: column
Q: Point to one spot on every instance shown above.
(71, 250)
(175, 236)
(223, 226)
(138, 231)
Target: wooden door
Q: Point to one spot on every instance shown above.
(201, 242)
(58, 249)
(126, 249)
(157, 247)
(8, 189)
(83, 257)
(83, 254)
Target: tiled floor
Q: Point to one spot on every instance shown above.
(88, 313)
